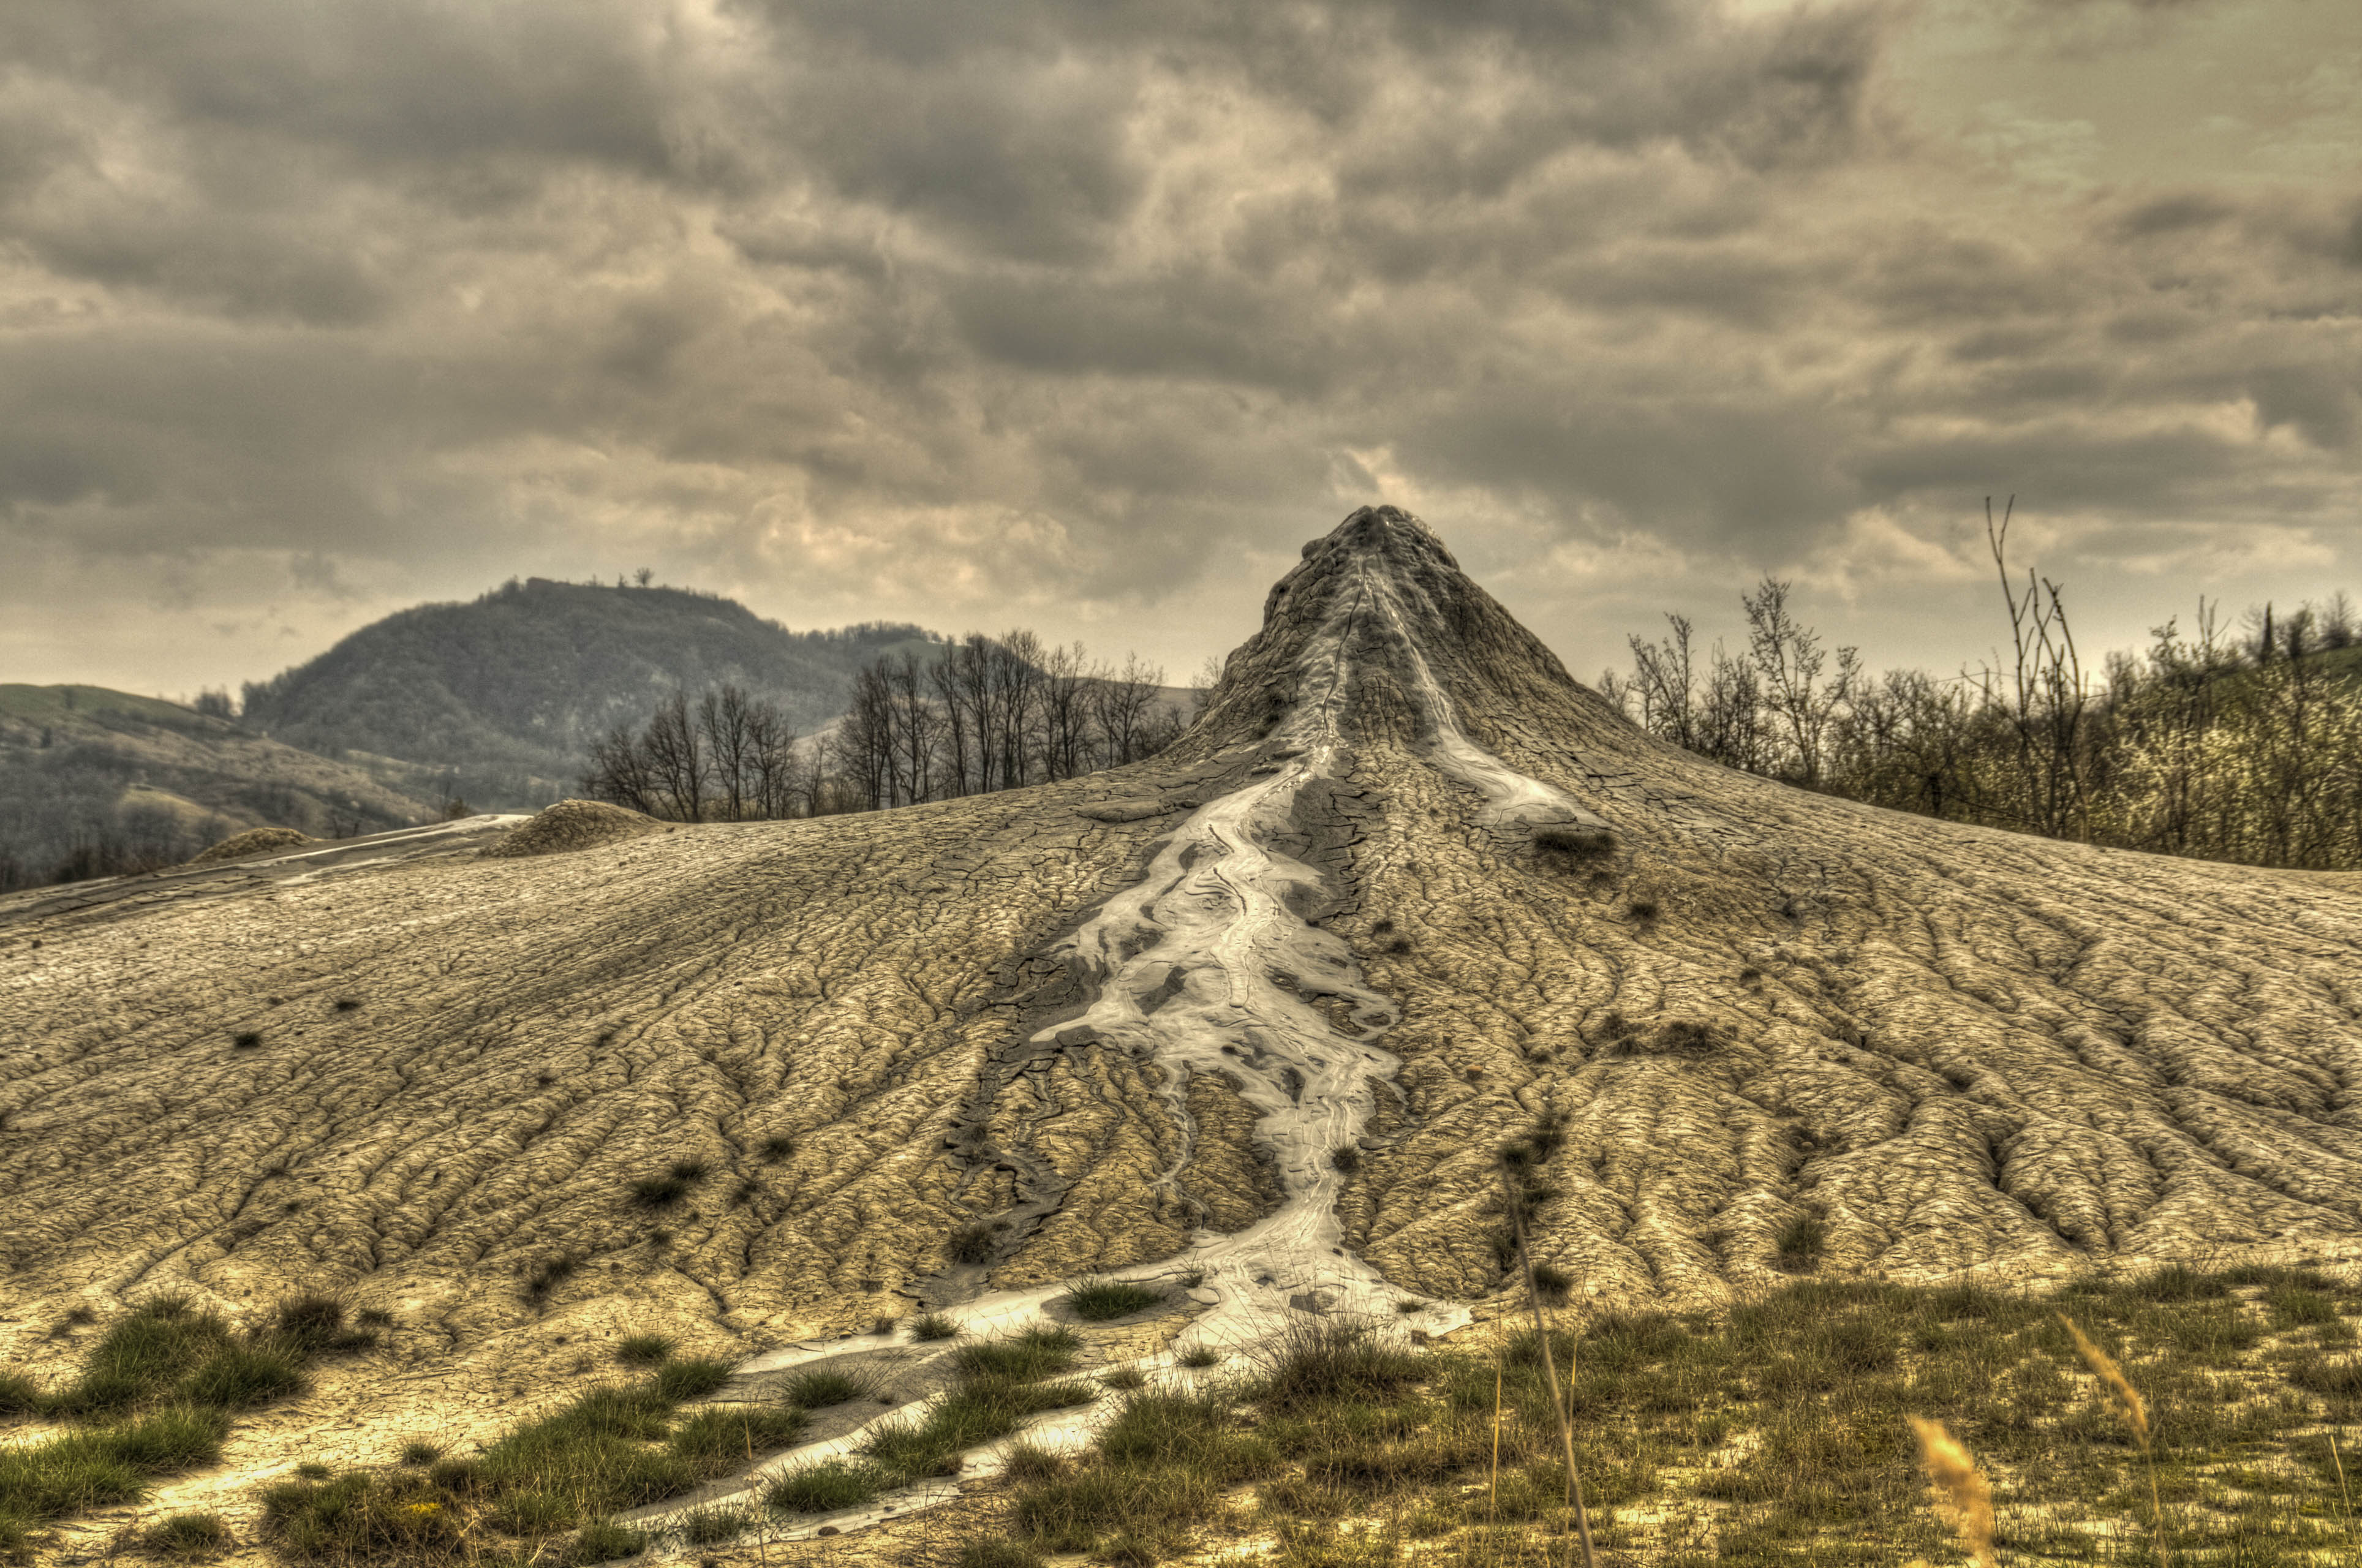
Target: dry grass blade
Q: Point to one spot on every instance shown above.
(1550, 1370)
(2136, 1409)
(1492, 1477)
(2105, 1367)
(1962, 1496)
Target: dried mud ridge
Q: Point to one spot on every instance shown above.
(429, 1079)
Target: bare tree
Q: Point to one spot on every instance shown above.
(722, 721)
(915, 726)
(1789, 659)
(866, 740)
(1064, 709)
(2337, 629)
(1123, 709)
(619, 772)
(677, 760)
(1015, 679)
(2047, 696)
(1209, 675)
(1664, 681)
(947, 680)
(1730, 721)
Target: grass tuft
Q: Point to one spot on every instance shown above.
(190, 1538)
(239, 1378)
(713, 1524)
(657, 1191)
(1103, 1301)
(828, 1487)
(548, 1276)
(311, 1321)
(643, 1350)
(720, 1437)
(1313, 1360)
(20, 1396)
(1026, 1463)
(818, 1389)
(1575, 843)
(1800, 1243)
(1036, 1354)
(603, 1540)
(934, 1326)
(996, 1554)
(694, 1378)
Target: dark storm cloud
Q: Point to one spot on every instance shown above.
(905, 306)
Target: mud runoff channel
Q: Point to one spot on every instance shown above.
(1204, 966)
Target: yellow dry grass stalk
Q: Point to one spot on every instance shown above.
(1962, 1496)
(2136, 1412)
(2344, 1496)
(1493, 1477)
(2105, 1367)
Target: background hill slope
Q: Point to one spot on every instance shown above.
(499, 700)
(99, 781)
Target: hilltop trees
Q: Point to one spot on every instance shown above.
(950, 719)
(503, 696)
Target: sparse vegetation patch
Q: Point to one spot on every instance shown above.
(155, 1396)
(1779, 1433)
(1101, 1300)
(615, 1448)
(659, 1191)
(998, 1386)
(1574, 845)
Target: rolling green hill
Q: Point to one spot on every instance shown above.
(497, 700)
(95, 782)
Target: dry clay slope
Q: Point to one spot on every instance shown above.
(1957, 1047)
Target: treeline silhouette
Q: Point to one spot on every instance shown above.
(956, 718)
(2241, 745)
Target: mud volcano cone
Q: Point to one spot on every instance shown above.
(1263, 1007)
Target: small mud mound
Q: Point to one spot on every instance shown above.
(572, 824)
(253, 841)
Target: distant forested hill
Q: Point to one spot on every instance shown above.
(94, 782)
(501, 698)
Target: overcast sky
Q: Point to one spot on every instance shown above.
(1085, 313)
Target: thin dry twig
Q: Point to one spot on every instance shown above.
(1550, 1370)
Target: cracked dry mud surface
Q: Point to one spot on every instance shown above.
(1957, 1048)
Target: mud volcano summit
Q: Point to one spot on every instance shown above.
(1253, 1016)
